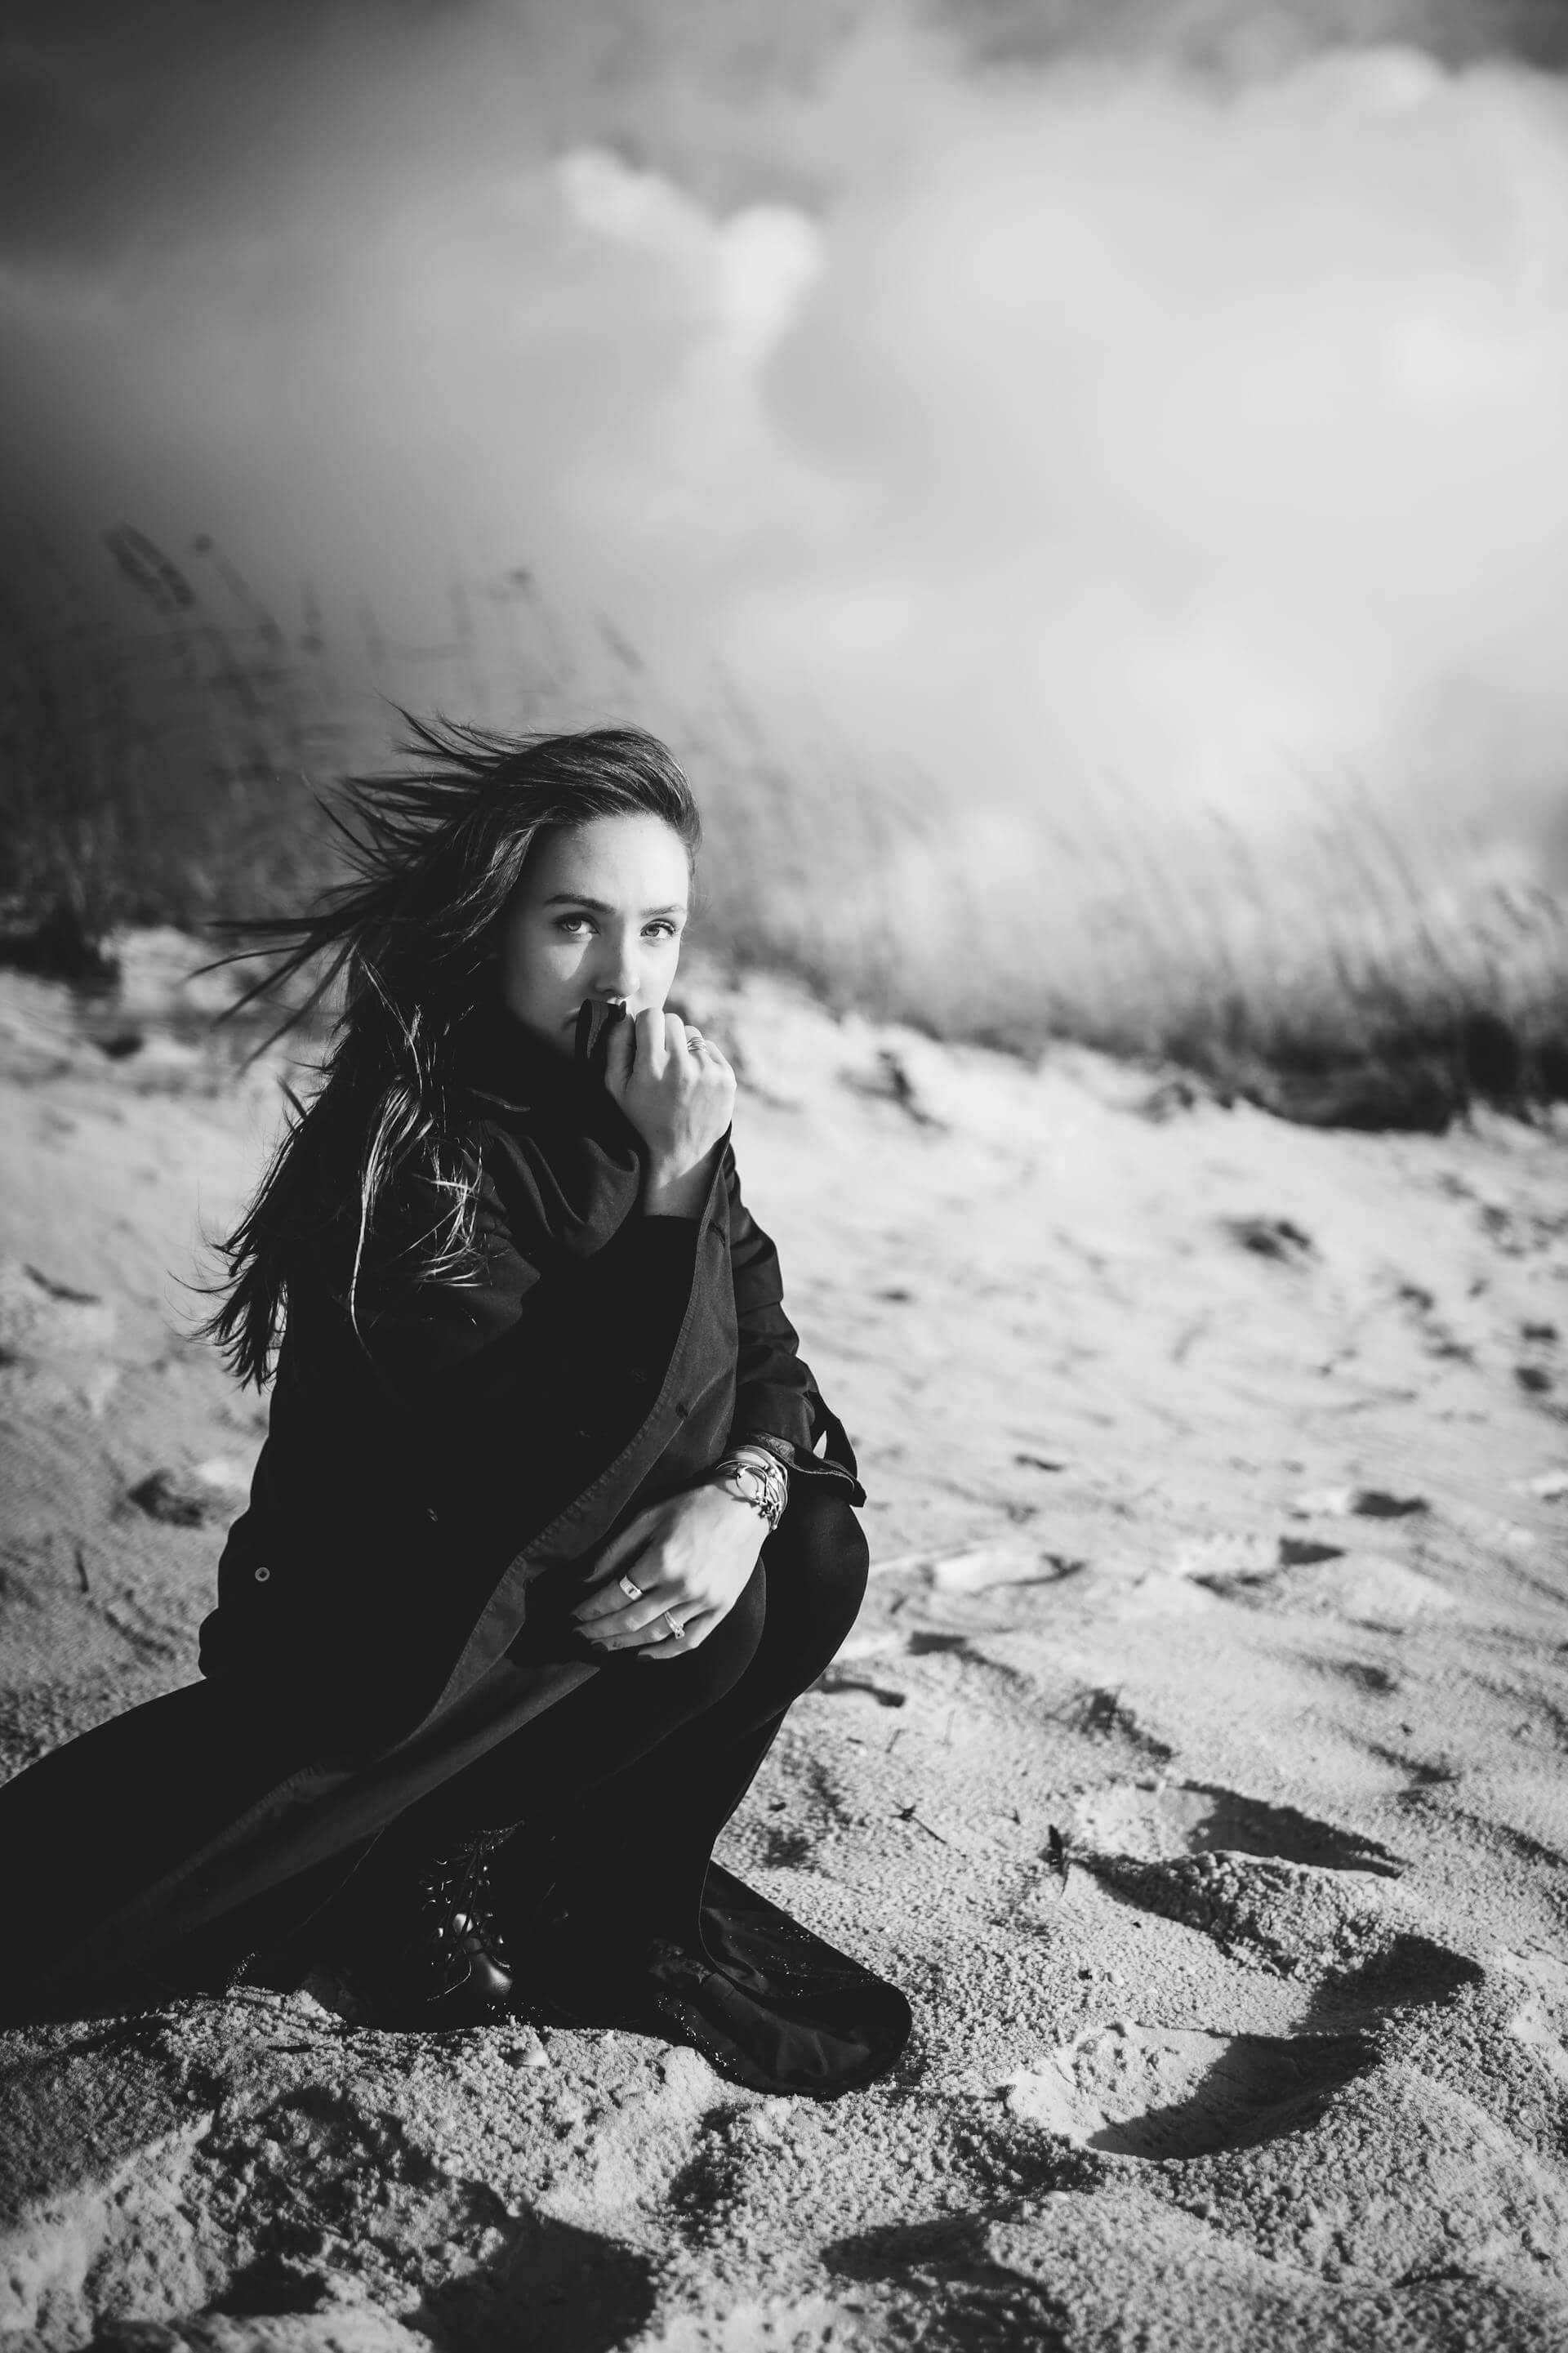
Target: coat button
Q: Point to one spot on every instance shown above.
(262, 1575)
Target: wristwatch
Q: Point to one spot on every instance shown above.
(755, 1477)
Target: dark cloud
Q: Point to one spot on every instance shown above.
(115, 117)
(1239, 36)
(166, 118)
(122, 125)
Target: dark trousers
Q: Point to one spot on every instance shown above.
(619, 1791)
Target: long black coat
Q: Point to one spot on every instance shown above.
(421, 1475)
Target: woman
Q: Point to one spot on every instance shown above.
(538, 1550)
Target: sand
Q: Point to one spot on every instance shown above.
(1196, 1765)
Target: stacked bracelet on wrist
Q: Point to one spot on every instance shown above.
(754, 1476)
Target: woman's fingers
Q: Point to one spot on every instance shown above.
(620, 1051)
(607, 1601)
(650, 1040)
(620, 1557)
(650, 1026)
(643, 1624)
(613, 1628)
(609, 1595)
(706, 1059)
(695, 1632)
(634, 1052)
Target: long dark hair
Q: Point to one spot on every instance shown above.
(434, 852)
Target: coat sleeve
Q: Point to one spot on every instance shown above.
(773, 1386)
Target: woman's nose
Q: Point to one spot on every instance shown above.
(617, 976)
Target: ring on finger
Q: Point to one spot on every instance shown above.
(678, 1630)
(632, 1590)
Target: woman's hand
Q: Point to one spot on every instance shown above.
(692, 1555)
(678, 1092)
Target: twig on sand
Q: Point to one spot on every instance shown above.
(1189, 1336)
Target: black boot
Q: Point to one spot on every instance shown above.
(427, 1951)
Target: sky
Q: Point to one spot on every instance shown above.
(1134, 405)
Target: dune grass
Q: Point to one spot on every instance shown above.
(152, 768)
(166, 762)
(1337, 974)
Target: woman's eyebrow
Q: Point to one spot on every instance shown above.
(603, 906)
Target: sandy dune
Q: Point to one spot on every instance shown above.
(1197, 1763)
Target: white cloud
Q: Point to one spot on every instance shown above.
(1181, 437)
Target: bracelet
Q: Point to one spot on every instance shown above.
(759, 1452)
(781, 1449)
(756, 1477)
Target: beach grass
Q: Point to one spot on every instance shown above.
(170, 760)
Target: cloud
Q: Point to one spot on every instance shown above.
(1050, 409)
(1135, 434)
(697, 471)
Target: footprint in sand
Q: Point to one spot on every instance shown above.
(1286, 1918)
(1162, 2092)
(1274, 1888)
(1305, 1578)
(1202, 1818)
(1115, 2267)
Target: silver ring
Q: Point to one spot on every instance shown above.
(678, 1630)
(633, 1592)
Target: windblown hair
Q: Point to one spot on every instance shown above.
(434, 853)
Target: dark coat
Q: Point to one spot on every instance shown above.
(423, 1476)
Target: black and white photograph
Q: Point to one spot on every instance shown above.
(783, 1176)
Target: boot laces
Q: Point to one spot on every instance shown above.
(459, 1897)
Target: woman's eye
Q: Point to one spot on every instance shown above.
(661, 928)
(573, 926)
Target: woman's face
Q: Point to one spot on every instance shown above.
(597, 915)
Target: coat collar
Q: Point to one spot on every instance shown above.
(496, 1056)
(504, 1065)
